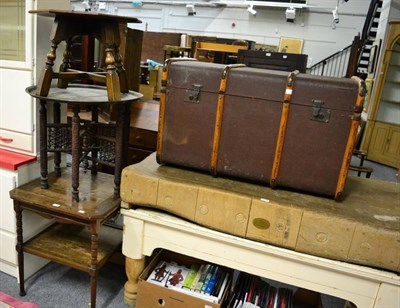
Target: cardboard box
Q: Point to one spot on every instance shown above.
(154, 296)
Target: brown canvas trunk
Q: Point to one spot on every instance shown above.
(287, 130)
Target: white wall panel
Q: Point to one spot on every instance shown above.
(313, 24)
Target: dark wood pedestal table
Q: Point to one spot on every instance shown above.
(84, 141)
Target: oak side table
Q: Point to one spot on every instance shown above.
(77, 239)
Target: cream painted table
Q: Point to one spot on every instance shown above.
(146, 230)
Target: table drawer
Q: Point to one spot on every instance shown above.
(137, 155)
(143, 138)
(18, 142)
(7, 244)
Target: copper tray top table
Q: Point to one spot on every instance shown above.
(80, 140)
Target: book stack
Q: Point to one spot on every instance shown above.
(206, 281)
(251, 291)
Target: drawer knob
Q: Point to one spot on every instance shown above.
(4, 139)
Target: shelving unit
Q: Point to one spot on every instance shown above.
(382, 136)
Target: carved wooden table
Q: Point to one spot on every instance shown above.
(104, 27)
(77, 240)
(93, 141)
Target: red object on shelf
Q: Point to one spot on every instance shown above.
(12, 160)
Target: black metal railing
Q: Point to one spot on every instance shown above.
(333, 66)
(369, 20)
(350, 60)
(368, 34)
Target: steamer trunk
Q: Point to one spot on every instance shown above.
(288, 130)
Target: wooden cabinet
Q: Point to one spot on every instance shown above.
(24, 43)
(382, 136)
(385, 144)
(15, 104)
(10, 179)
(143, 132)
(19, 66)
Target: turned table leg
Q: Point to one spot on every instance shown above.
(20, 248)
(112, 78)
(57, 141)
(93, 270)
(75, 151)
(43, 145)
(121, 143)
(133, 269)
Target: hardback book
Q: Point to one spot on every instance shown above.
(210, 273)
(206, 297)
(223, 286)
(169, 274)
(191, 279)
(187, 283)
(203, 275)
(218, 284)
(211, 284)
(197, 278)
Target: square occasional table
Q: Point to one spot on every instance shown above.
(78, 238)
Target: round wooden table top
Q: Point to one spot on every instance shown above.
(82, 94)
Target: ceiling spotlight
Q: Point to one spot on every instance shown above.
(86, 5)
(251, 10)
(290, 14)
(335, 15)
(191, 9)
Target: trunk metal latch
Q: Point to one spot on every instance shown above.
(192, 95)
(318, 113)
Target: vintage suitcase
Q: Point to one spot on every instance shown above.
(288, 130)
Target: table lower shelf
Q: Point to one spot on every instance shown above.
(69, 245)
